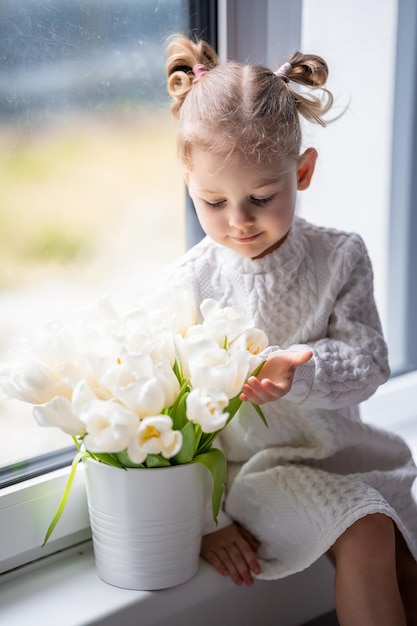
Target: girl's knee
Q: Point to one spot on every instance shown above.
(371, 536)
(376, 526)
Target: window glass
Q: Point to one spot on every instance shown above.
(350, 189)
(364, 179)
(91, 200)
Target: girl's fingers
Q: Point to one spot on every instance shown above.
(301, 356)
(212, 558)
(231, 553)
(262, 391)
(276, 377)
(240, 569)
(229, 562)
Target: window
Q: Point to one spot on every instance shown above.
(83, 122)
(365, 175)
(402, 313)
(375, 169)
(91, 200)
(92, 203)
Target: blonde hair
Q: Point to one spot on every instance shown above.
(239, 107)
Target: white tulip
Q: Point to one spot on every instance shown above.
(58, 412)
(206, 408)
(53, 345)
(219, 369)
(141, 385)
(145, 334)
(95, 321)
(168, 381)
(176, 304)
(154, 435)
(253, 340)
(109, 426)
(191, 347)
(30, 381)
(221, 323)
(83, 395)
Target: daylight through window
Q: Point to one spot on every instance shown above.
(91, 201)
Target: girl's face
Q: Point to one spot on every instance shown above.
(249, 209)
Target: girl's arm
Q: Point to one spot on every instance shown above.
(348, 363)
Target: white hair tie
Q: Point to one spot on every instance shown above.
(284, 71)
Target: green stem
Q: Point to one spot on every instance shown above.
(61, 507)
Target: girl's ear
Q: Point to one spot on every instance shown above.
(306, 165)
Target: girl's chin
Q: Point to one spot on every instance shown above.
(274, 246)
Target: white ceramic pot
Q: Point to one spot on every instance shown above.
(146, 523)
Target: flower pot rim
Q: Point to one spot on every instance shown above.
(147, 469)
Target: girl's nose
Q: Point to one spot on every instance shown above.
(240, 216)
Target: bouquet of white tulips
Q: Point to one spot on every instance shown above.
(150, 388)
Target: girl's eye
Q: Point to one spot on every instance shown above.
(261, 201)
(215, 205)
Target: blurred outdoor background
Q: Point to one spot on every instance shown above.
(91, 198)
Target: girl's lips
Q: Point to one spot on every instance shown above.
(246, 239)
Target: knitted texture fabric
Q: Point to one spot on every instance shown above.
(301, 482)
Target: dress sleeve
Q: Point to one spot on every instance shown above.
(350, 363)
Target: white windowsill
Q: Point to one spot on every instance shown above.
(65, 590)
(394, 407)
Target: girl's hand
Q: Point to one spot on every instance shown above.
(275, 378)
(231, 551)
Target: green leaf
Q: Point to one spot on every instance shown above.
(185, 455)
(177, 369)
(125, 460)
(257, 369)
(108, 459)
(233, 407)
(178, 411)
(67, 490)
(198, 433)
(206, 441)
(260, 413)
(156, 460)
(215, 461)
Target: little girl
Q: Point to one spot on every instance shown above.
(317, 480)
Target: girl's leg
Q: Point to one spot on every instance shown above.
(366, 587)
(407, 579)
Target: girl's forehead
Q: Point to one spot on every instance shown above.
(212, 163)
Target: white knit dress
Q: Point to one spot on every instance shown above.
(299, 484)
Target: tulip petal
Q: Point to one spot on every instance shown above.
(58, 413)
(206, 408)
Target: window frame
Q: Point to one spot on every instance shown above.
(402, 279)
(26, 510)
(203, 23)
